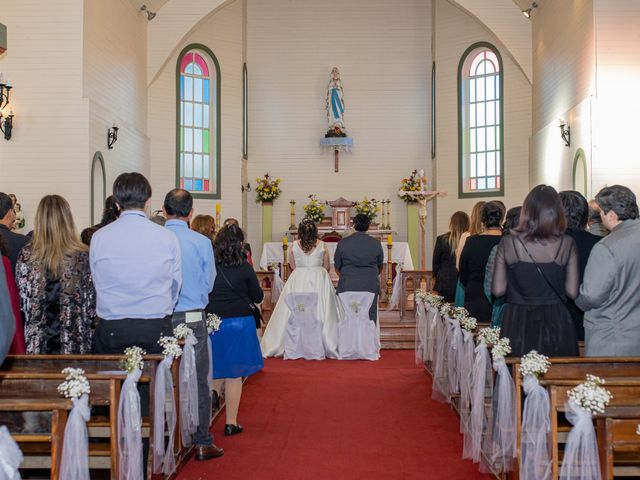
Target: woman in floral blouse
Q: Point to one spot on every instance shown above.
(57, 294)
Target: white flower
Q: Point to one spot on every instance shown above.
(421, 295)
(182, 331)
(134, 359)
(468, 323)
(489, 336)
(300, 307)
(591, 395)
(355, 306)
(446, 309)
(213, 322)
(170, 347)
(501, 349)
(75, 385)
(535, 364)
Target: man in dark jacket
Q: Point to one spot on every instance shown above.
(13, 241)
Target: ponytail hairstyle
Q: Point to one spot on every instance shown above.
(308, 234)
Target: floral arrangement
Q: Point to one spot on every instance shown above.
(170, 347)
(368, 207)
(182, 331)
(434, 300)
(314, 210)
(421, 295)
(534, 364)
(446, 309)
(134, 360)
(335, 131)
(460, 312)
(468, 323)
(501, 349)
(591, 395)
(412, 184)
(75, 385)
(213, 322)
(489, 336)
(267, 188)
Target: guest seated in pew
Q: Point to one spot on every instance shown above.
(609, 294)
(537, 268)
(55, 285)
(137, 273)
(576, 210)
(444, 256)
(236, 350)
(198, 275)
(473, 261)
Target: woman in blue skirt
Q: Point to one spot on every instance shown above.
(236, 349)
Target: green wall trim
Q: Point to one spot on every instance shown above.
(413, 233)
(207, 50)
(492, 193)
(97, 158)
(580, 157)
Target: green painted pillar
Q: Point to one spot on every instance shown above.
(267, 222)
(413, 233)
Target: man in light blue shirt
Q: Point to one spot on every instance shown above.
(198, 276)
(136, 270)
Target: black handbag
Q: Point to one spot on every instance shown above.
(255, 311)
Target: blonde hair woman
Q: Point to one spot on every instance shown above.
(55, 285)
(444, 259)
(475, 227)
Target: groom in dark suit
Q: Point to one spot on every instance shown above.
(358, 260)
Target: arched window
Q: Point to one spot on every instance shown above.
(198, 122)
(480, 114)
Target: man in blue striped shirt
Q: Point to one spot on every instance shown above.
(198, 276)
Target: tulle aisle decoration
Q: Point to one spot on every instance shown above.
(440, 389)
(535, 460)
(503, 432)
(433, 318)
(74, 463)
(130, 418)
(394, 301)
(421, 328)
(481, 387)
(277, 286)
(188, 384)
(580, 460)
(465, 367)
(10, 456)
(455, 345)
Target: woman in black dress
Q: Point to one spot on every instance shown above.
(537, 267)
(473, 262)
(576, 209)
(444, 256)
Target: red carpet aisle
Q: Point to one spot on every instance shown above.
(335, 420)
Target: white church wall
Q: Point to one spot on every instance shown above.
(222, 33)
(383, 51)
(114, 73)
(47, 153)
(455, 31)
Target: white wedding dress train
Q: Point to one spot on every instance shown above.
(309, 276)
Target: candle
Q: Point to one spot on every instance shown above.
(218, 207)
(389, 239)
(285, 241)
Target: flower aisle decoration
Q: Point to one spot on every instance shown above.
(434, 300)
(213, 322)
(267, 188)
(421, 295)
(188, 383)
(591, 395)
(165, 408)
(468, 323)
(314, 210)
(170, 347)
(415, 183)
(74, 463)
(501, 349)
(368, 207)
(534, 364)
(446, 309)
(581, 449)
(489, 336)
(134, 359)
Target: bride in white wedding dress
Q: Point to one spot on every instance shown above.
(309, 260)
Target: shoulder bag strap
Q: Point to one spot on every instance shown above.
(542, 273)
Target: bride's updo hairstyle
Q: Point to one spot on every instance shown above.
(308, 234)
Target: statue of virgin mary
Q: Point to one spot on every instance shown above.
(335, 101)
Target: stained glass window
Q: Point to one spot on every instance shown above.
(480, 89)
(198, 123)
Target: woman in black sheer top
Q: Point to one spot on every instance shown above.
(537, 268)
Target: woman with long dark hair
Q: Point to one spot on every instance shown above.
(537, 268)
(236, 350)
(110, 214)
(444, 256)
(309, 262)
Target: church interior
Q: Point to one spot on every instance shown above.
(269, 112)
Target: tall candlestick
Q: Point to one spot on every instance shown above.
(285, 264)
(285, 240)
(218, 208)
(390, 239)
(388, 214)
(293, 215)
(389, 269)
(383, 225)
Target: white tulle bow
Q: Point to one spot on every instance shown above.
(481, 385)
(188, 391)
(503, 437)
(164, 412)
(130, 429)
(10, 456)
(535, 461)
(74, 464)
(581, 450)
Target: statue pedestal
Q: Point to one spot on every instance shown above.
(267, 222)
(413, 231)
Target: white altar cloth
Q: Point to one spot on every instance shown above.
(400, 253)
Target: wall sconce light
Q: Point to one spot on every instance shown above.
(150, 15)
(7, 124)
(112, 136)
(565, 132)
(527, 12)
(247, 188)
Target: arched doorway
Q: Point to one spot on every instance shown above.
(579, 175)
(98, 181)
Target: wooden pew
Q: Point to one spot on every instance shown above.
(617, 436)
(410, 282)
(93, 364)
(625, 393)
